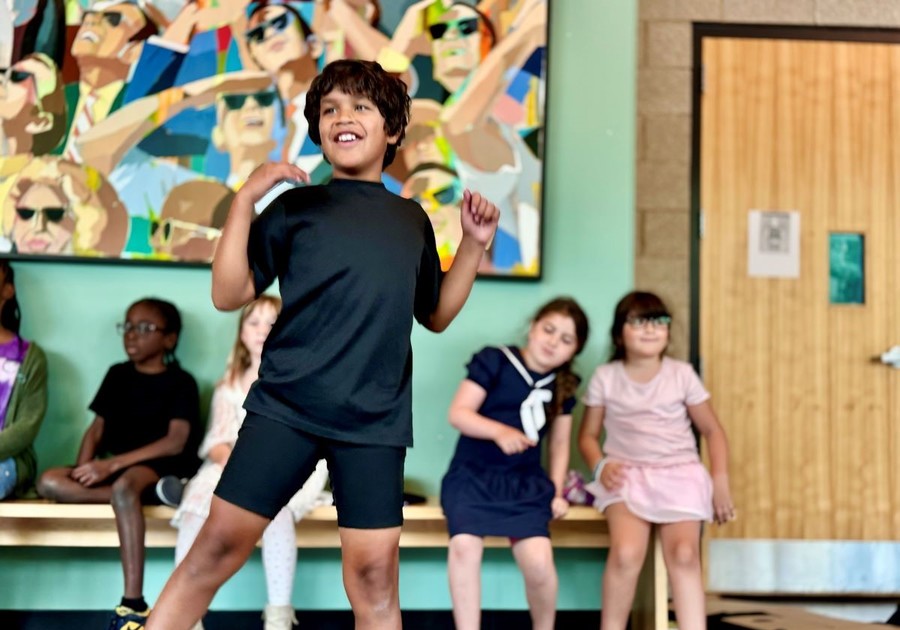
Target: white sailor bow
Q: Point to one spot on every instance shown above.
(531, 411)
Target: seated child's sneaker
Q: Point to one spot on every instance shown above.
(124, 618)
(279, 617)
(170, 489)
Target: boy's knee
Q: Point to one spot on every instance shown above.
(376, 575)
(125, 492)
(48, 485)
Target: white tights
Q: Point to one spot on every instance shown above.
(279, 552)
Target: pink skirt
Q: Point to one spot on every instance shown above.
(661, 494)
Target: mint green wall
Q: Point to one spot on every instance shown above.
(588, 252)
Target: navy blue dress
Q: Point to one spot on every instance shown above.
(486, 492)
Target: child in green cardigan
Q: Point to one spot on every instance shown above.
(23, 394)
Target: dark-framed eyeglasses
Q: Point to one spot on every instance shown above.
(658, 321)
(278, 23)
(51, 214)
(141, 328)
(236, 101)
(465, 26)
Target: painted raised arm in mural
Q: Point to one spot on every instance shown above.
(467, 122)
(208, 27)
(104, 146)
(106, 45)
(506, 15)
(348, 29)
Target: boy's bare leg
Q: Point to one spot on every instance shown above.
(464, 572)
(126, 503)
(535, 559)
(371, 566)
(222, 547)
(56, 484)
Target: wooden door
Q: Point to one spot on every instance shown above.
(813, 422)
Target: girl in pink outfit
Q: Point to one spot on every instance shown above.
(649, 470)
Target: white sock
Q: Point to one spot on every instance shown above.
(279, 554)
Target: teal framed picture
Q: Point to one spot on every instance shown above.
(846, 258)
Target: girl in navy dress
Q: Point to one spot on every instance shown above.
(509, 401)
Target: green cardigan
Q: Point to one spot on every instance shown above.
(24, 415)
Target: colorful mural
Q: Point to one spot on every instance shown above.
(126, 126)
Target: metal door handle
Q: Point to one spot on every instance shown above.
(891, 357)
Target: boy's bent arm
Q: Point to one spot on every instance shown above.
(90, 441)
(479, 218)
(232, 281)
(457, 284)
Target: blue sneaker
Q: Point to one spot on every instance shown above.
(170, 489)
(124, 618)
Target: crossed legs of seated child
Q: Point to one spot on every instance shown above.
(114, 466)
(533, 555)
(124, 494)
(629, 541)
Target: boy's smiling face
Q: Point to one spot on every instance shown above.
(353, 135)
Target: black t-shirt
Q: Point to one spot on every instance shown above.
(355, 263)
(136, 409)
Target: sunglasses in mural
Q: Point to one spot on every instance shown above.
(236, 101)
(465, 27)
(112, 18)
(52, 215)
(278, 24)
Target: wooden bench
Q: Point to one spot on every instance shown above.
(46, 524)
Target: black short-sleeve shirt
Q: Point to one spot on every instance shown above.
(355, 263)
(136, 409)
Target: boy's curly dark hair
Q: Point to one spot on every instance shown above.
(368, 79)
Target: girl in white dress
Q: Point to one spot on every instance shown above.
(279, 547)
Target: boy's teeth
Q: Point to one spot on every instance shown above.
(346, 137)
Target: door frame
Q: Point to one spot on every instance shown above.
(703, 30)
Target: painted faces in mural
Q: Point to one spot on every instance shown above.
(191, 221)
(437, 189)
(277, 36)
(459, 39)
(244, 119)
(108, 31)
(32, 106)
(57, 207)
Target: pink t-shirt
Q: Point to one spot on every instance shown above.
(647, 423)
